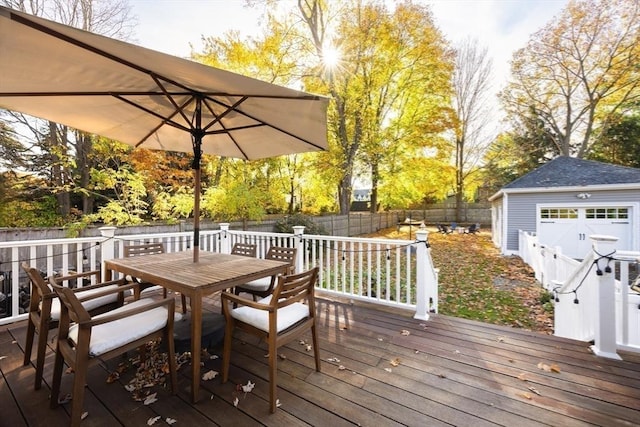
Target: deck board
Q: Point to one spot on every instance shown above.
(446, 371)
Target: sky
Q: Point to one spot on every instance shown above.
(503, 26)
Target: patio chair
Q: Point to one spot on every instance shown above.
(44, 309)
(84, 339)
(278, 319)
(264, 287)
(473, 229)
(149, 249)
(443, 229)
(244, 249)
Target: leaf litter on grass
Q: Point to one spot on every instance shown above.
(477, 282)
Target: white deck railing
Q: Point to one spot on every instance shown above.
(592, 298)
(396, 273)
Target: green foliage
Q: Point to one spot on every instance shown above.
(286, 224)
(236, 201)
(129, 206)
(38, 213)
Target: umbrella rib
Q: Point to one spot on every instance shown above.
(262, 122)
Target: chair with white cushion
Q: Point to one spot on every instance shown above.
(278, 319)
(264, 286)
(44, 308)
(83, 339)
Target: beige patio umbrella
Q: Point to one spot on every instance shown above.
(146, 98)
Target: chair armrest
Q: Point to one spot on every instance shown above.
(243, 301)
(119, 282)
(81, 298)
(76, 276)
(105, 292)
(121, 314)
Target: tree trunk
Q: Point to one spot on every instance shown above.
(375, 179)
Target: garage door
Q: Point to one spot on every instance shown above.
(570, 227)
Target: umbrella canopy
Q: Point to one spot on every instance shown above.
(146, 98)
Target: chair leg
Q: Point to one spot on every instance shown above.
(28, 346)
(316, 347)
(57, 379)
(77, 400)
(226, 352)
(184, 304)
(43, 335)
(172, 362)
(273, 368)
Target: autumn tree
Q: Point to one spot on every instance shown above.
(620, 142)
(389, 91)
(472, 86)
(65, 155)
(578, 73)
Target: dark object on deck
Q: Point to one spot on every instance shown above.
(212, 331)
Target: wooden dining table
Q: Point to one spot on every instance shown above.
(178, 272)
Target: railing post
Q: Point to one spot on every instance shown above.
(422, 293)
(605, 313)
(107, 247)
(298, 243)
(225, 241)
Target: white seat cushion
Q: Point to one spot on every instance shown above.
(287, 316)
(109, 336)
(89, 304)
(258, 284)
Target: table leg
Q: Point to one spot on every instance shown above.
(196, 343)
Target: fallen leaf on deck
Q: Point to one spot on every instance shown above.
(150, 399)
(525, 395)
(341, 368)
(3, 357)
(533, 389)
(278, 403)
(248, 387)
(522, 376)
(64, 399)
(235, 402)
(405, 332)
(555, 368)
(209, 375)
(84, 415)
(151, 421)
(309, 348)
(388, 369)
(170, 421)
(500, 339)
(113, 377)
(302, 342)
(395, 362)
(333, 359)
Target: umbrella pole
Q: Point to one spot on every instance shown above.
(196, 216)
(197, 155)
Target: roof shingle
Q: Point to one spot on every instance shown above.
(569, 172)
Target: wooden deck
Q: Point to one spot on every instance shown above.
(449, 372)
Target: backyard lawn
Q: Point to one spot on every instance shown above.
(476, 282)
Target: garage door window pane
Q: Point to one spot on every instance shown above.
(607, 213)
(558, 213)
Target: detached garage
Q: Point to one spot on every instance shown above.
(567, 200)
